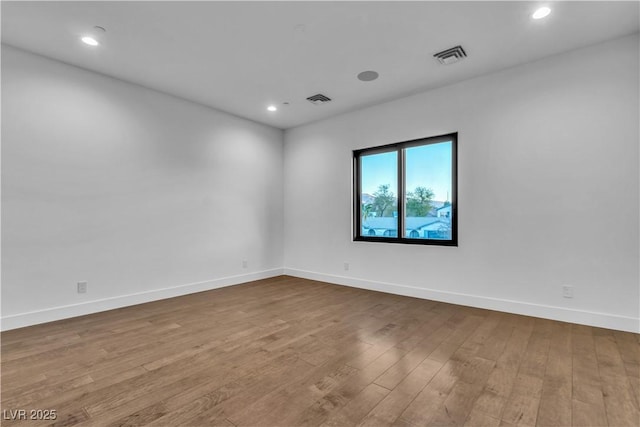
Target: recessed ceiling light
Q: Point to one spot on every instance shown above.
(541, 13)
(90, 41)
(272, 108)
(367, 76)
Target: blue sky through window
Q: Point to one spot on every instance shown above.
(430, 166)
(380, 169)
(426, 166)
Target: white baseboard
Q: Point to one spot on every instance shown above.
(582, 317)
(603, 320)
(73, 310)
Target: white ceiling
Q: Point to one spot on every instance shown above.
(240, 57)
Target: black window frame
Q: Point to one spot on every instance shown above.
(399, 148)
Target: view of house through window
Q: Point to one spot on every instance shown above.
(410, 187)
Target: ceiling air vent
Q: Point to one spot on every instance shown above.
(318, 99)
(450, 56)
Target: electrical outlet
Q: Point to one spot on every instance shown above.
(245, 264)
(82, 287)
(346, 266)
(567, 291)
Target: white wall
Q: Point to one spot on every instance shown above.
(129, 189)
(147, 196)
(548, 151)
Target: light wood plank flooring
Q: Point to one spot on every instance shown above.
(294, 352)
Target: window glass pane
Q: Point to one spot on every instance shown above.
(428, 187)
(379, 199)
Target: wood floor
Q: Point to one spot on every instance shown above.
(290, 352)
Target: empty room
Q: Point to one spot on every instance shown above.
(322, 213)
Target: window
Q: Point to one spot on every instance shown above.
(408, 186)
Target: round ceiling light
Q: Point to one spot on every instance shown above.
(367, 76)
(91, 37)
(272, 108)
(541, 13)
(90, 41)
